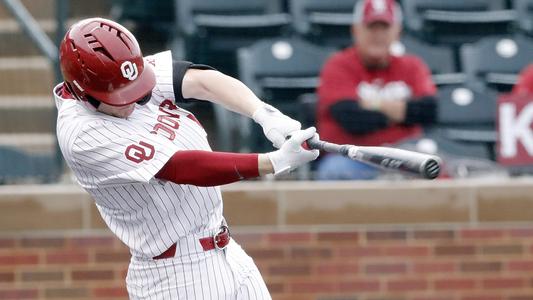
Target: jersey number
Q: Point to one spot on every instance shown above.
(139, 153)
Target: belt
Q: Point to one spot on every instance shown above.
(218, 241)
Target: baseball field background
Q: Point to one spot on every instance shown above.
(464, 237)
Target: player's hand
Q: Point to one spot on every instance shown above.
(291, 154)
(276, 125)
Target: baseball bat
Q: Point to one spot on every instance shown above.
(410, 162)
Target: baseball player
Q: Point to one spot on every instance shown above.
(148, 165)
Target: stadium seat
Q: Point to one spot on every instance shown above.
(440, 59)
(467, 114)
(447, 145)
(307, 113)
(213, 29)
(155, 21)
(524, 11)
(17, 166)
(144, 12)
(460, 159)
(323, 22)
(280, 70)
(497, 61)
(457, 21)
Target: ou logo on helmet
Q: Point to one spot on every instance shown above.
(129, 70)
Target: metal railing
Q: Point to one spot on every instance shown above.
(48, 48)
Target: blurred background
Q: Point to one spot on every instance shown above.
(465, 236)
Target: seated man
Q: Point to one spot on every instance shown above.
(525, 81)
(368, 97)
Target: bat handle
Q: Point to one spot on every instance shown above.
(315, 143)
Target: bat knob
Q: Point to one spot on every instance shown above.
(431, 169)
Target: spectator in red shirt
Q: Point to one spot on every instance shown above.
(525, 81)
(369, 97)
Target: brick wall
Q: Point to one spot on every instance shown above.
(453, 262)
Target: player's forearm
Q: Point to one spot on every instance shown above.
(394, 110)
(205, 168)
(218, 88)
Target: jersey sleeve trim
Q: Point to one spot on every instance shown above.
(179, 68)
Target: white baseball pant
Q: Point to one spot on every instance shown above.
(197, 274)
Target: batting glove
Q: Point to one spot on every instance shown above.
(276, 125)
(291, 154)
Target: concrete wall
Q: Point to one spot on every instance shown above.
(282, 204)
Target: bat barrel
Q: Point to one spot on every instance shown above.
(418, 164)
(414, 163)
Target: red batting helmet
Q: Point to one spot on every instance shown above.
(101, 59)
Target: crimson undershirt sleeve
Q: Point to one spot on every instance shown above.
(421, 111)
(205, 168)
(356, 120)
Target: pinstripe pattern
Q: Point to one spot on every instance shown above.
(195, 274)
(116, 160)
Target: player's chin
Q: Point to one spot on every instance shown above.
(124, 113)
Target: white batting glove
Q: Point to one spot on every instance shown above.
(291, 154)
(276, 125)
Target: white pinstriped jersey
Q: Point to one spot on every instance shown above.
(116, 159)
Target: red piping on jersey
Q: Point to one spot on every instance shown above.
(204, 168)
(64, 93)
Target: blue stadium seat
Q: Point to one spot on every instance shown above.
(213, 29)
(307, 114)
(439, 58)
(460, 159)
(450, 146)
(17, 166)
(457, 21)
(524, 11)
(159, 13)
(497, 61)
(324, 22)
(284, 64)
(467, 112)
(280, 70)
(155, 21)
